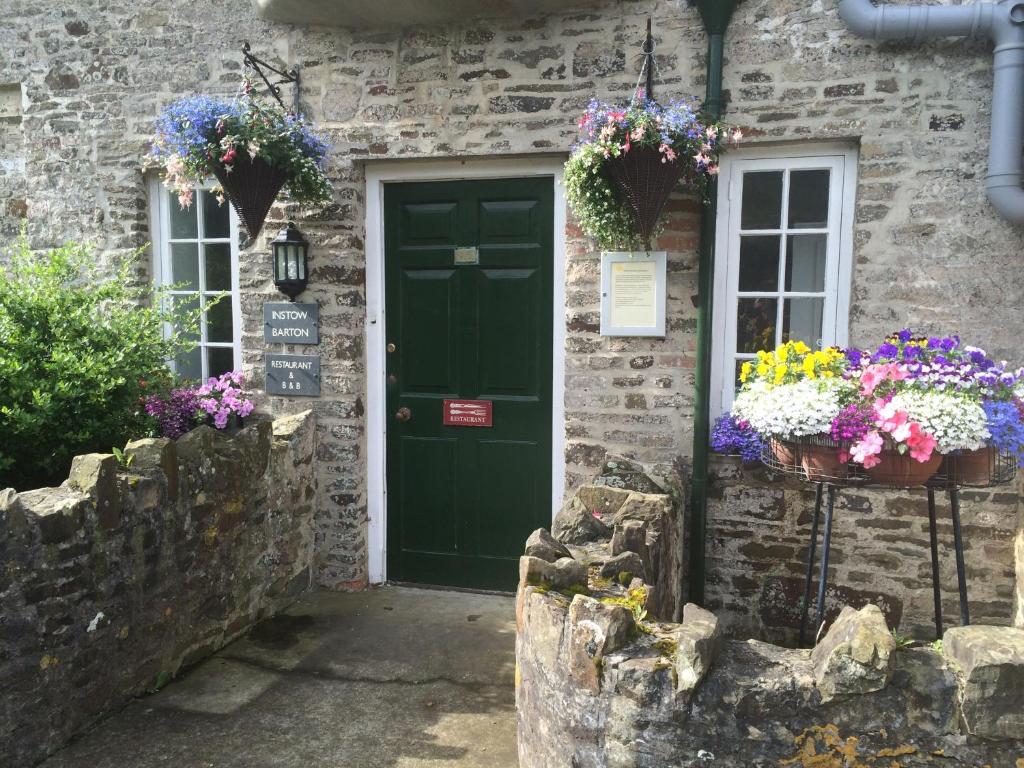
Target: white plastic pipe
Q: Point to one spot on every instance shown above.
(1003, 22)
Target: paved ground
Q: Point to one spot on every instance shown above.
(392, 678)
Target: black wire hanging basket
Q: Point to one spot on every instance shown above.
(252, 186)
(644, 179)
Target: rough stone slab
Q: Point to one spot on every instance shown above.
(595, 630)
(96, 475)
(545, 546)
(626, 474)
(59, 512)
(564, 573)
(605, 500)
(576, 523)
(855, 656)
(698, 640)
(155, 455)
(990, 662)
(644, 507)
(629, 536)
(624, 563)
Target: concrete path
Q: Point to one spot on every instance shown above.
(391, 678)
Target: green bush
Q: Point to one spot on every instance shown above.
(79, 347)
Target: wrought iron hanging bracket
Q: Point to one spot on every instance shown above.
(273, 87)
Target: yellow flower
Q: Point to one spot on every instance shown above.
(782, 353)
(745, 370)
(800, 348)
(809, 365)
(762, 369)
(780, 372)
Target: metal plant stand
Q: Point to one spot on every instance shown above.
(789, 458)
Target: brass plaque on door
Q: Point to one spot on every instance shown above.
(467, 256)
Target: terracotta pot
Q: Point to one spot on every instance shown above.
(903, 470)
(971, 467)
(822, 462)
(784, 452)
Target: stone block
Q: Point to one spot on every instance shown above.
(602, 499)
(989, 662)
(1018, 548)
(153, 455)
(698, 642)
(628, 536)
(96, 475)
(855, 656)
(564, 573)
(644, 507)
(595, 630)
(625, 563)
(59, 512)
(618, 472)
(576, 523)
(543, 545)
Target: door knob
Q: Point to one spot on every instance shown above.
(403, 414)
(391, 347)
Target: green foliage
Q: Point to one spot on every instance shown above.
(81, 347)
(123, 459)
(902, 641)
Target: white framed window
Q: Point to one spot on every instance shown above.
(784, 251)
(195, 249)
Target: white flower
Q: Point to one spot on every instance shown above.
(956, 423)
(791, 410)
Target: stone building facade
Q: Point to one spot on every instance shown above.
(928, 251)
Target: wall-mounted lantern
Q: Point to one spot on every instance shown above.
(290, 250)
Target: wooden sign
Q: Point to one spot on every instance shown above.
(468, 413)
(286, 322)
(295, 375)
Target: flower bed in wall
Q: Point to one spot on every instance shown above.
(603, 683)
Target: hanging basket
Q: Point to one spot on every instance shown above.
(643, 183)
(902, 470)
(252, 186)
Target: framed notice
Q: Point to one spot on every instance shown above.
(633, 293)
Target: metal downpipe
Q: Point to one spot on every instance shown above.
(716, 15)
(1003, 22)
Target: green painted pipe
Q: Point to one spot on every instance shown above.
(716, 15)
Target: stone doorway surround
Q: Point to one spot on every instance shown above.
(452, 169)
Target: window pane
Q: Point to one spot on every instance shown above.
(755, 324)
(185, 266)
(762, 200)
(808, 199)
(801, 321)
(218, 266)
(759, 263)
(215, 216)
(220, 360)
(188, 365)
(183, 220)
(218, 320)
(805, 263)
(187, 303)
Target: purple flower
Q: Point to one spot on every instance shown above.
(732, 436)
(220, 419)
(904, 336)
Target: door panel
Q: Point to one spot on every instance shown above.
(461, 500)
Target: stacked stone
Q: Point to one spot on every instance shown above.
(602, 685)
(127, 573)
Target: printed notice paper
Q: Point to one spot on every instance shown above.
(634, 294)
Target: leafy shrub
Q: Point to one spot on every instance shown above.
(81, 347)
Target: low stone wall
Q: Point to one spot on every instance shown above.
(759, 527)
(124, 575)
(601, 683)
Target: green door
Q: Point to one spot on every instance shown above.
(468, 280)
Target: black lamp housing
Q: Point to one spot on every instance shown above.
(290, 251)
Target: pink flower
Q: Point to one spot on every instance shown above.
(229, 156)
(638, 133)
(874, 375)
(866, 451)
(921, 444)
(209, 405)
(245, 408)
(220, 420)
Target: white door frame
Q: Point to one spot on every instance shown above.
(377, 175)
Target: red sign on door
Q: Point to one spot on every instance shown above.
(468, 413)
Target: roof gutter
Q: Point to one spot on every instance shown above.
(1003, 23)
(716, 15)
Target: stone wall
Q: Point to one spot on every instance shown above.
(929, 250)
(601, 683)
(124, 575)
(760, 526)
